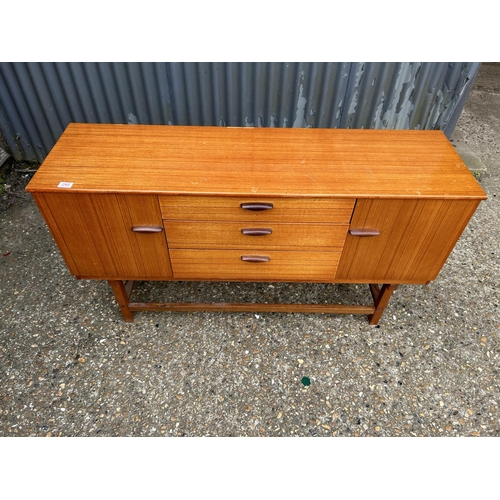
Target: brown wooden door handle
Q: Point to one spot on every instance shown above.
(147, 229)
(364, 232)
(256, 231)
(256, 207)
(255, 258)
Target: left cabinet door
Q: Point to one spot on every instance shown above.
(94, 234)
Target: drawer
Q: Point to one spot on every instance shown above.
(228, 265)
(227, 235)
(228, 208)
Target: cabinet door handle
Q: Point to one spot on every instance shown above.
(364, 232)
(255, 258)
(256, 231)
(147, 229)
(256, 207)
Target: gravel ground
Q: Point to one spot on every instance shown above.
(69, 365)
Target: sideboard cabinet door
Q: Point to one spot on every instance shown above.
(416, 237)
(95, 235)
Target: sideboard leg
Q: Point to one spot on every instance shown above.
(122, 297)
(381, 298)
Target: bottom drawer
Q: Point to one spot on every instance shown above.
(228, 265)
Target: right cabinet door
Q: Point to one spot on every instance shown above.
(416, 237)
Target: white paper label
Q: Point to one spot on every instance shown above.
(66, 185)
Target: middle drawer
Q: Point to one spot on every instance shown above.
(273, 236)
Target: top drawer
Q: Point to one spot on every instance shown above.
(229, 208)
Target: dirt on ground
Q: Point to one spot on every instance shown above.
(14, 177)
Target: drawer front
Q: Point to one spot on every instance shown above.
(227, 235)
(228, 265)
(228, 208)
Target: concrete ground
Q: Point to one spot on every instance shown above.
(69, 365)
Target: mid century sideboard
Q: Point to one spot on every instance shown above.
(149, 202)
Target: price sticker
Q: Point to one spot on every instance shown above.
(65, 185)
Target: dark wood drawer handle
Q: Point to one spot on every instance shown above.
(364, 232)
(256, 207)
(147, 229)
(256, 231)
(255, 258)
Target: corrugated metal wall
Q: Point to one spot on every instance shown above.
(38, 100)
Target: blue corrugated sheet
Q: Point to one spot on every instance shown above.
(38, 100)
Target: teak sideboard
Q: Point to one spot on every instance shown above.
(151, 202)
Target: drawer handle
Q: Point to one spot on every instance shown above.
(255, 258)
(364, 232)
(256, 207)
(147, 229)
(256, 232)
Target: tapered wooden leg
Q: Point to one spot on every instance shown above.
(381, 298)
(122, 294)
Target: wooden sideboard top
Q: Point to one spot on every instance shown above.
(255, 162)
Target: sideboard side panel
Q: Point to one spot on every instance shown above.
(54, 230)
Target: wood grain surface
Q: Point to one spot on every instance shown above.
(416, 237)
(94, 234)
(409, 188)
(202, 234)
(228, 208)
(256, 161)
(227, 265)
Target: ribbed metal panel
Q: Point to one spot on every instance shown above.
(38, 100)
